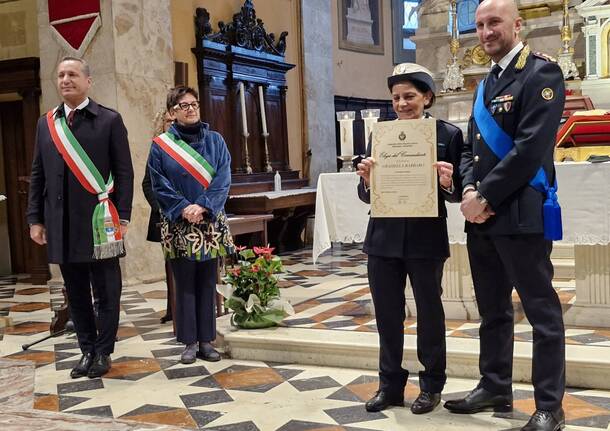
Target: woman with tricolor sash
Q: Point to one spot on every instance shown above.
(190, 168)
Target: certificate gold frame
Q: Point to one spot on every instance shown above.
(376, 7)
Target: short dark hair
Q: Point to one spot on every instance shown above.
(177, 93)
(84, 66)
(423, 88)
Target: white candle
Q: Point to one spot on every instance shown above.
(261, 99)
(242, 99)
(347, 137)
(368, 128)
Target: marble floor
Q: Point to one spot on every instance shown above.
(147, 383)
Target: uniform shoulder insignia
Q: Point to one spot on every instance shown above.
(522, 59)
(544, 56)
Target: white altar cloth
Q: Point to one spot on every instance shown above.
(584, 196)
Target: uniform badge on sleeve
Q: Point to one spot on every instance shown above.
(547, 94)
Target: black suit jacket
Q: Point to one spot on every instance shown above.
(58, 200)
(531, 120)
(423, 238)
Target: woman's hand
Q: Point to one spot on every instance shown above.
(364, 169)
(194, 213)
(445, 173)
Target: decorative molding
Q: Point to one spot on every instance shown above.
(246, 31)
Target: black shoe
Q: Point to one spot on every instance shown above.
(101, 365)
(82, 368)
(189, 355)
(166, 318)
(382, 400)
(545, 420)
(425, 402)
(208, 353)
(480, 400)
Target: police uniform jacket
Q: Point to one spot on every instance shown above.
(418, 237)
(59, 201)
(524, 101)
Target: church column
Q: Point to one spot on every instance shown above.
(131, 59)
(317, 34)
(592, 303)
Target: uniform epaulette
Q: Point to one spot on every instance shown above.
(545, 56)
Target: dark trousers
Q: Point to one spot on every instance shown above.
(195, 291)
(498, 263)
(105, 276)
(169, 280)
(387, 279)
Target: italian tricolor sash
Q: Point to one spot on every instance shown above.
(107, 238)
(187, 157)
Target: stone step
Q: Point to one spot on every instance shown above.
(586, 366)
(563, 251)
(564, 269)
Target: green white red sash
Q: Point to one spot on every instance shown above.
(187, 157)
(107, 238)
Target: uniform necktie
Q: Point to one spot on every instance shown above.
(71, 117)
(492, 77)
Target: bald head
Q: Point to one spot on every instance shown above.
(506, 7)
(498, 25)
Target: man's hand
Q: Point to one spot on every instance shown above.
(123, 230)
(472, 208)
(194, 213)
(445, 173)
(484, 216)
(364, 169)
(38, 233)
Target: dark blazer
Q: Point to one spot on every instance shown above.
(424, 238)
(58, 200)
(154, 228)
(531, 120)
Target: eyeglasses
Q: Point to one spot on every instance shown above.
(185, 106)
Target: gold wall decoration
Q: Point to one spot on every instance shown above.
(476, 56)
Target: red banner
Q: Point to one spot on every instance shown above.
(75, 22)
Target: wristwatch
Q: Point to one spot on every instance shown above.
(481, 199)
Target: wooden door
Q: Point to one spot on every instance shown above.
(26, 257)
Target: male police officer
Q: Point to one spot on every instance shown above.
(508, 173)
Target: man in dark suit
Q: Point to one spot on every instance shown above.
(520, 104)
(82, 220)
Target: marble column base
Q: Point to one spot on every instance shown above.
(16, 385)
(592, 305)
(26, 420)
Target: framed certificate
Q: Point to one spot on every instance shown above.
(403, 178)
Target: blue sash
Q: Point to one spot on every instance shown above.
(500, 143)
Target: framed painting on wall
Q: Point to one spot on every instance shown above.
(361, 25)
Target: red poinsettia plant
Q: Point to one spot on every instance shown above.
(251, 289)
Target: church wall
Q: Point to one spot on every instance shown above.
(278, 16)
(360, 74)
(18, 29)
(131, 62)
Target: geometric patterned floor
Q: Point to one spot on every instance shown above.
(148, 384)
(348, 308)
